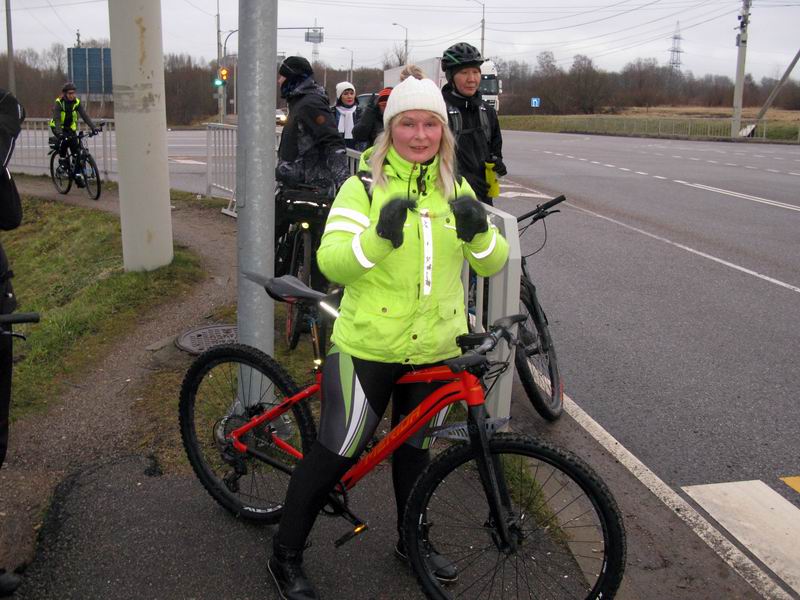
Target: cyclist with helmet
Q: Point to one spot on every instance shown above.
(64, 123)
(473, 122)
(397, 243)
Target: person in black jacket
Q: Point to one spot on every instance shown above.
(473, 122)
(370, 126)
(64, 124)
(311, 151)
(11, 116)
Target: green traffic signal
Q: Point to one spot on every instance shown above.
(218, 82)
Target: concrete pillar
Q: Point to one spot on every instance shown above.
(141, 132)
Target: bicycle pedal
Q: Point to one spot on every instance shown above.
(357, 530)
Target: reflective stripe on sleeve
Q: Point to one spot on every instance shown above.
(344, 226)
(360, 256)
(349, 213)
(490, 249)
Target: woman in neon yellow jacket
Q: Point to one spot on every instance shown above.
(398, 247)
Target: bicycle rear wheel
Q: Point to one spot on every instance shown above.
(535, 357)
(91, 178)
(61, 178)
(570, 541)
(222, 390)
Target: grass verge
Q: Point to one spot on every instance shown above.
(68, 266)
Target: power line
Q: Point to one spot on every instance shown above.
(205, 12)
(58, 15)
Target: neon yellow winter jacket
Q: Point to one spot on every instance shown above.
(403, 305)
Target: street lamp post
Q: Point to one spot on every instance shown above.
(483, 21)
(350, 79)
(224, 90)
(405, 51)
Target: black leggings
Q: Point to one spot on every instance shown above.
(355, 395)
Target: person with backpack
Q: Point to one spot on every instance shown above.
(11, 116)
(397, 241)
(479, 143)
(64, 124)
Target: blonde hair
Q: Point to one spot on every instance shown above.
(447, 157)
(411, 70)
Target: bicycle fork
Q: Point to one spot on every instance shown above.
(493, 481)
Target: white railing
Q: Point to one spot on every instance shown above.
(31, 153)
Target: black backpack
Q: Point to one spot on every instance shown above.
(12, 114)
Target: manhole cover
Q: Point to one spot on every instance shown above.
(200, 339)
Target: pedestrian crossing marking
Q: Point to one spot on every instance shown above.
(760, 518)
(792, 482)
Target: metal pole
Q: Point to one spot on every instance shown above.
(777, 88)
(738, 90)
(221, 89)
(483, 24)
(255, 168)
(12, 82)
(140, 119)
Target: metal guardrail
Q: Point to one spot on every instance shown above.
(31, 152)
(503, 293)
(671, 127)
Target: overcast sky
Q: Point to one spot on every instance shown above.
(611, 32)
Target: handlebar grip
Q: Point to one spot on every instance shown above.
(542, 208)
(13, 318)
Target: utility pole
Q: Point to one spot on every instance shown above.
(738, 90)
(777, 88)
(255, 169)
(221, 90)
(141, 132)
(405, 49)
(12, 82)
(483, 22)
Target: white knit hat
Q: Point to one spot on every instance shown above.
(414, 94)
(341, 87)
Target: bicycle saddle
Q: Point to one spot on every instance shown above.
(286, 288)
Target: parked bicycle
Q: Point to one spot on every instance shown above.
(535, 356)
(517, 516)
(305, 209)
(81, 168)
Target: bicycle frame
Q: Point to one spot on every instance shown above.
(461, 386)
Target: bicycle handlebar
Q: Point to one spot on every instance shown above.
(540, 211)
(501, 329)
(14, 318)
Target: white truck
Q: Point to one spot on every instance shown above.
(491, 86)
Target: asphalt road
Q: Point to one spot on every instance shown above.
(672, 280)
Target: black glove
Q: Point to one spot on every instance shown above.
(392, 218)
(500, 168)
(470, 217)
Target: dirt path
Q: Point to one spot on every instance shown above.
(93, 422)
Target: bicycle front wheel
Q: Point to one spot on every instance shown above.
(91, 177)
(569, 541)
(60, 176)
(225, 388)
(535, 358)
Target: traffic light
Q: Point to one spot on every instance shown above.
(221, 78)
(223, 74)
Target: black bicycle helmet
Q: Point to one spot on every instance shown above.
(68, 86)
(461, 55)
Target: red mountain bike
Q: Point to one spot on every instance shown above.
(518, 517)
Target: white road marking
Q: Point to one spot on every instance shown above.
(745, 567)
(793, 173)
(676, 156)
(523, 195)
(773, 171)
(749, 167)
(594, 162)
(623, 169)
(659, 177)
(680, 181)
(186, 161)
(612, 166)
(641, 173)
(713, 162)
(758, 199)
(731, 165)
(692, 158)
(583, 159)
(767, 524)
(570, 156)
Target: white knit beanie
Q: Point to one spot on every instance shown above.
(414, 94)
(341, 87)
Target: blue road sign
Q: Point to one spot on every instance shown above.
(535, 102)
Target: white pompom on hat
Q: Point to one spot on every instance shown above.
(415, 94)
(342, 87)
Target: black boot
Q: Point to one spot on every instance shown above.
(444, 570)
(286, 568)
(8, 583)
